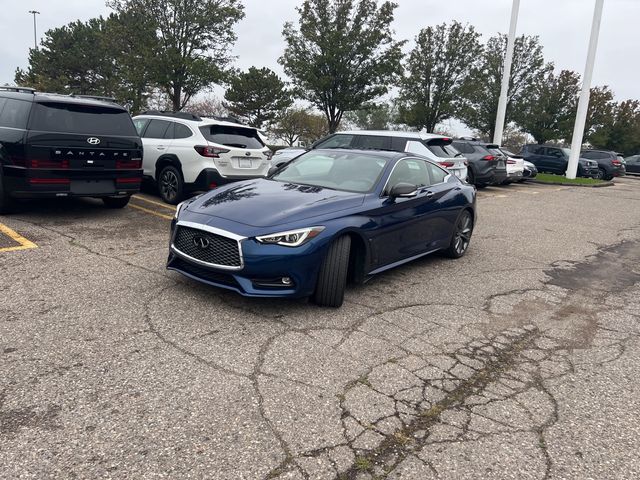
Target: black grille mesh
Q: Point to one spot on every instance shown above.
(220, 251)
(203, 273)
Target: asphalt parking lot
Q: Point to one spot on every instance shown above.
(519, 360)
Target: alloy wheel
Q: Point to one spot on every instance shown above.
(463, 234)
(169, 185)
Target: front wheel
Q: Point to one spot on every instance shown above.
(461, 236)
(170, 185)
(116, 202)
(332, 279)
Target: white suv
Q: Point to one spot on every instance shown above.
(436, 148)
(185, 153)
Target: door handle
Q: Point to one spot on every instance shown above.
(429, 194)
(161, 147)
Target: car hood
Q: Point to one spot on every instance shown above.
(264, 203)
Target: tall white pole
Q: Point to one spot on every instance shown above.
(583, 103)
(35, 41)
(506, 74)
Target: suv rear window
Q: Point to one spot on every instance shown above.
(14, 113)
(232, 136)
(83, 119)
(443, 151)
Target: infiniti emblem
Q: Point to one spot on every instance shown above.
(201, 242)
(93, 141)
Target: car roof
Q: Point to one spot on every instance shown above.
(44, 97)
(393, 133)
(203, 122)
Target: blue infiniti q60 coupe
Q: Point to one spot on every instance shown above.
(326, 217)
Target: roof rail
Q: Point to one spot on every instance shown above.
(94, 97)
(226, 118)
(9, 88)
(182, 115)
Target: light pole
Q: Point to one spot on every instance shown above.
(35, 41)
(583, 103)
(506, 74)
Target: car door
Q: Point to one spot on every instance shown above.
(536, 155)
(556, 161)
(405, 226)
(156, 143)
(633, 164)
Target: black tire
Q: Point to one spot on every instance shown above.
(470, 177)
(6, 202)
(116, 202)
(170, 185)
(332, 279)
(602, 174)
(461, 236)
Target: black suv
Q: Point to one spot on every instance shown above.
(487, 163)
(610, 164)
(62, 146)
(552, 159)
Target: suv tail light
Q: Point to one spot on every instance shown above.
(49, 181)
(134, 163)
(48, 164)
(488, 158)
(211, 152)
(511, 162)
(615, 161)
(447, 164)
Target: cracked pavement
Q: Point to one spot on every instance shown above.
(519, 360)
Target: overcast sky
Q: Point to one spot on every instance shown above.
(563, 27)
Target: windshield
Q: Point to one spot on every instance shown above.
(230, 136)
(347, 171)
(82, 119)
(444, 151)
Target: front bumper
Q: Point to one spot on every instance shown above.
(262, 270)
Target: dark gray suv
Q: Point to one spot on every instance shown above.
(487, 164)
(552, 159)
(610, 164)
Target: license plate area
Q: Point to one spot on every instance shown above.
(247, 162)
(92, 187)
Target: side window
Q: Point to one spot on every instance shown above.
(409, 170)
(555, 153)
(140, 124)
(372, 142)
(589, 155)
(536, 150)
(182, 131)
(437, 174)
(168, 134)
(337, 141)
(414, 146)
(156, 129)
(14, 113)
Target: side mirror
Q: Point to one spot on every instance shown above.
(403, 190)
(273, 170)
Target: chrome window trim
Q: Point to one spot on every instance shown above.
(386, 184)
(215, 231)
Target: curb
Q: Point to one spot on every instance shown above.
(597, 185)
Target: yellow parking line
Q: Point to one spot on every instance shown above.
(146, 210)
(16, 237)
(163, 205)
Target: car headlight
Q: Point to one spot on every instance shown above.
(178, 209)
(292, 238)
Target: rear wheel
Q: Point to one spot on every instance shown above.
(601, 174)
(461, 236)
(116, 202)
(332, 279)
(170, 185)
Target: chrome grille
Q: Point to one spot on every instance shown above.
(207, 247)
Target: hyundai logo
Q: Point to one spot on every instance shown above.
(93, 141)
(201, 242)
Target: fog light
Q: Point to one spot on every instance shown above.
(287, 281)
